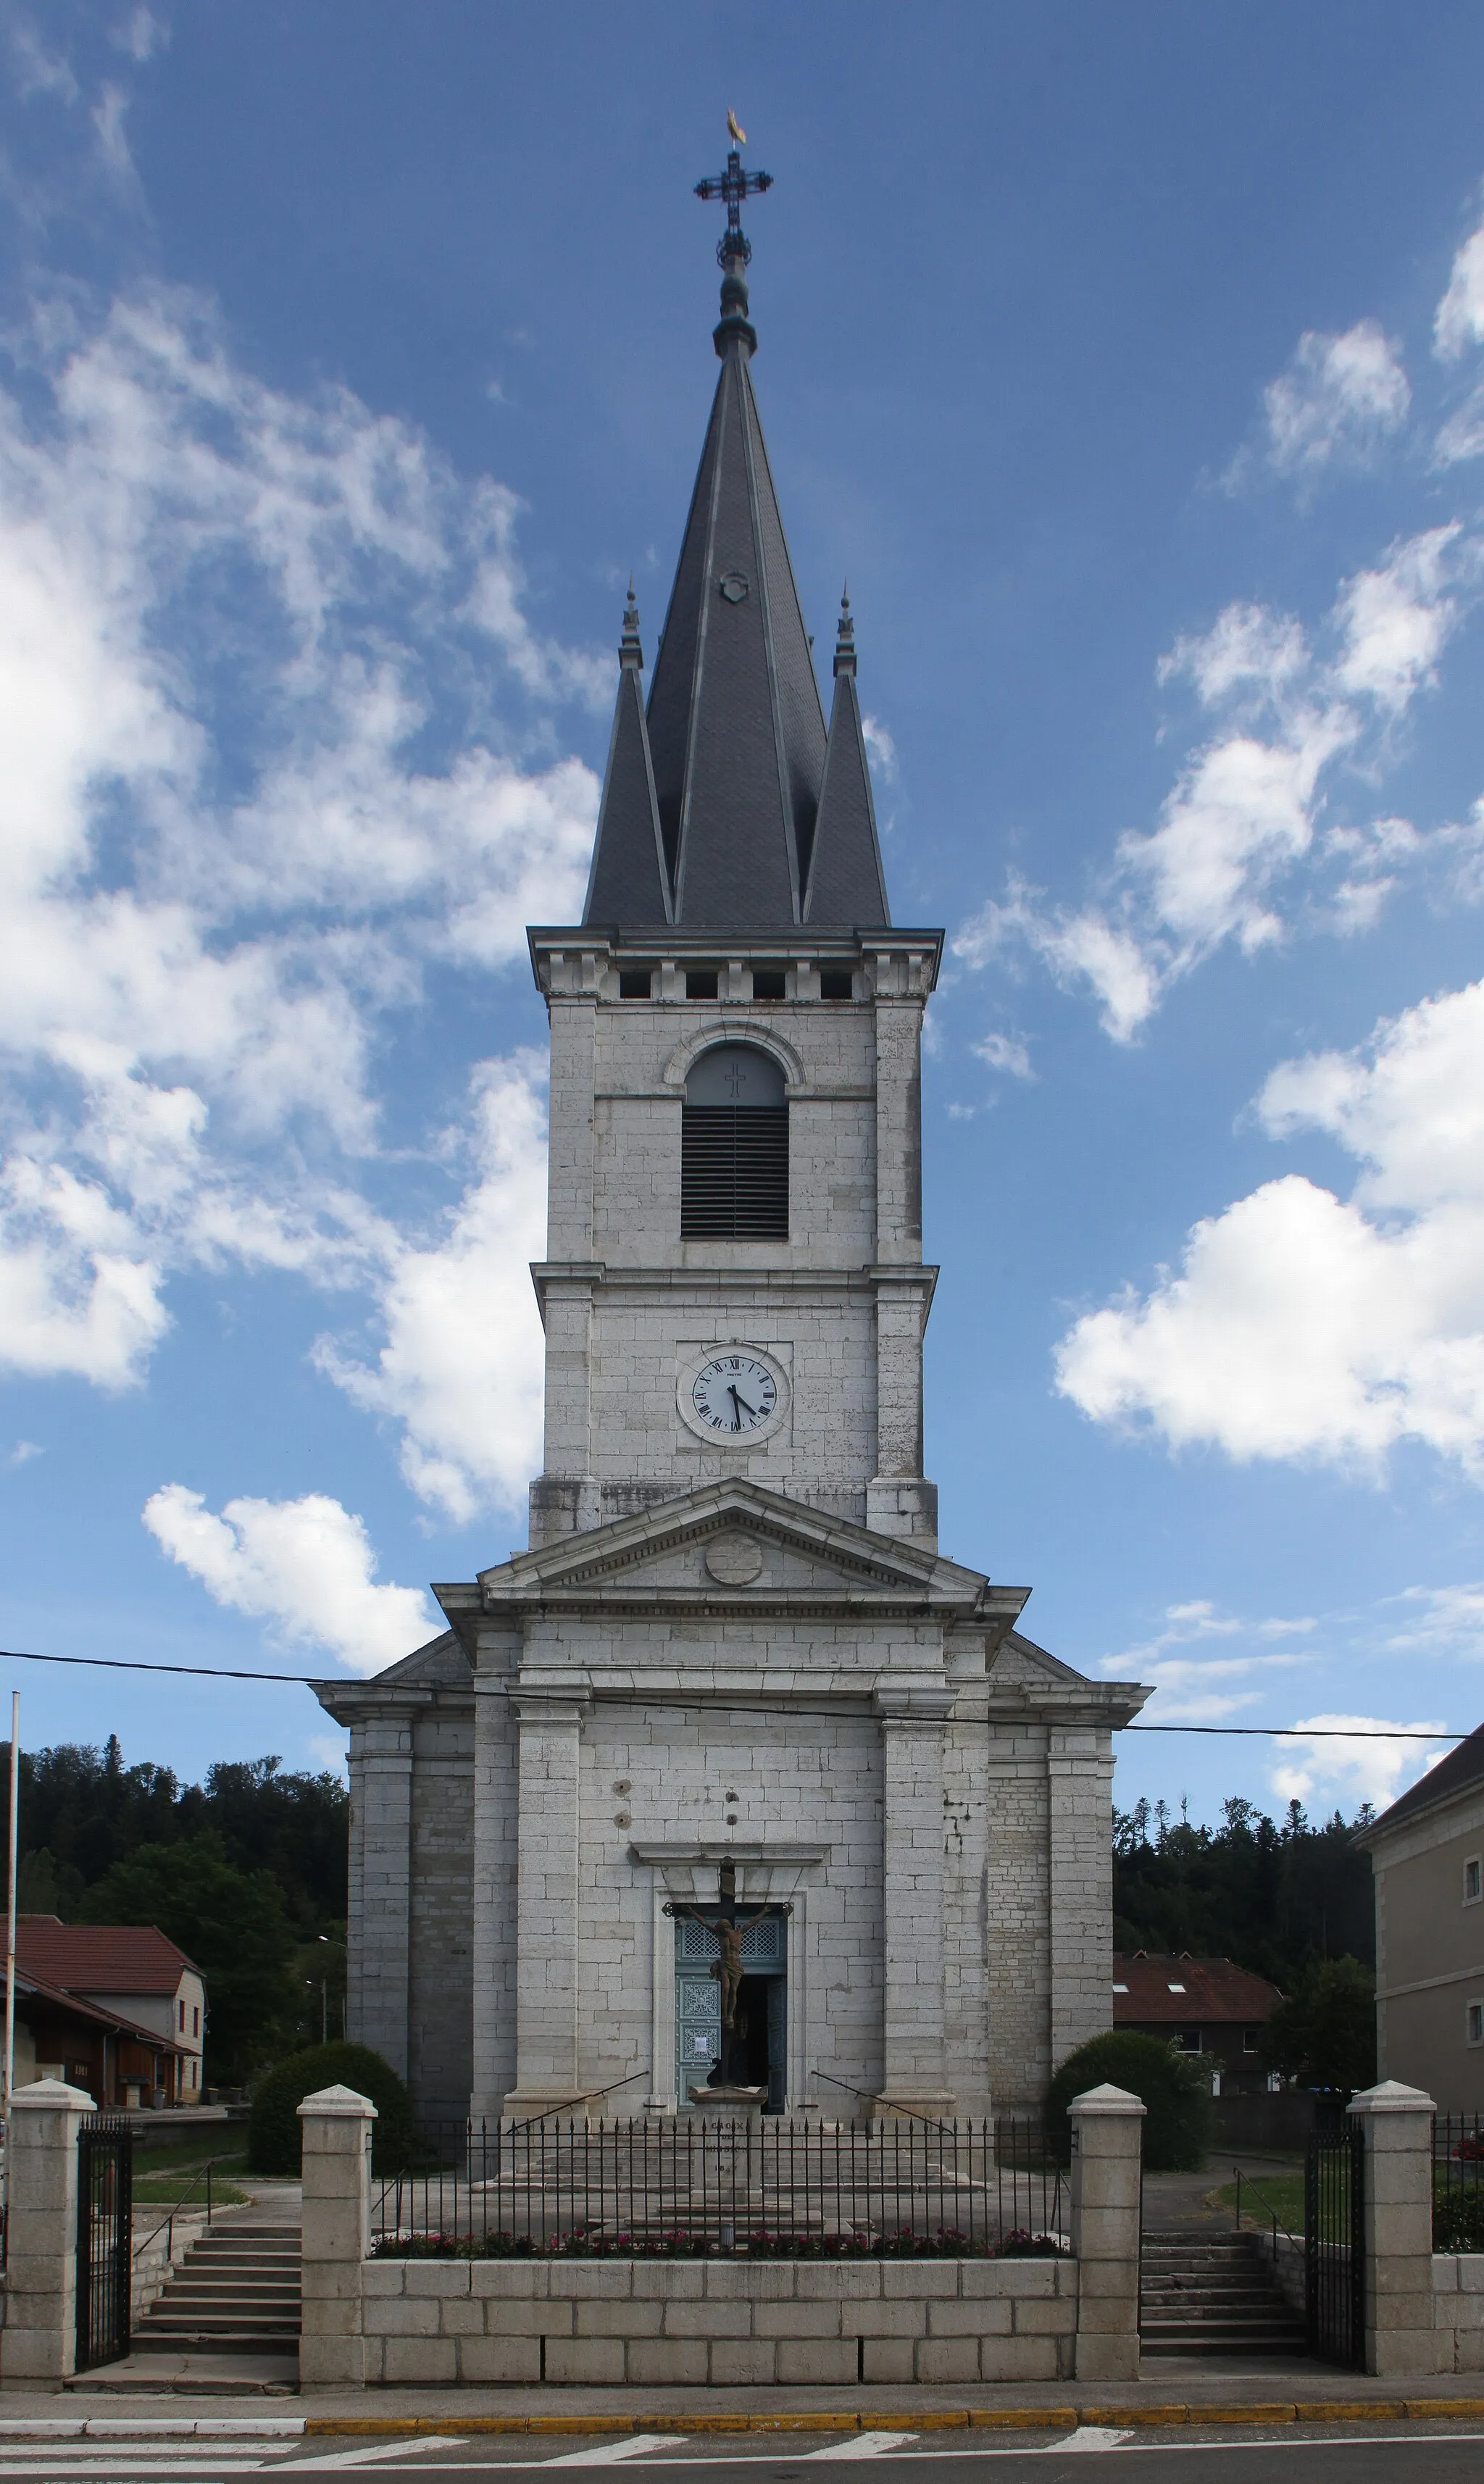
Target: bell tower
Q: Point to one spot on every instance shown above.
(736, 1034)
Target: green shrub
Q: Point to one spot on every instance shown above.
(1173, 2089)
(274, 2125)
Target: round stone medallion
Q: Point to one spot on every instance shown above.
(734, 1559)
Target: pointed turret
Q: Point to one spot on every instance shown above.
(629, 881)
(710, 820)
(846, 885)
(735, 721)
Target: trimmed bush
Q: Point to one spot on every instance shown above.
(274, 2126)
(1172, 2087)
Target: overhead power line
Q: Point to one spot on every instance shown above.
(760, 1707)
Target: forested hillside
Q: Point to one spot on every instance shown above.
(247, 1871)
(1275, 1896)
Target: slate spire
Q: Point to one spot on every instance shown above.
(847, 884)
(629, 881)
(711, 804)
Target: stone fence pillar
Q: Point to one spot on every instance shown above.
(39, 2345)
(1400, 2334)
(337, 2126)
(1107, 2151)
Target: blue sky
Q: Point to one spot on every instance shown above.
(1131, 362)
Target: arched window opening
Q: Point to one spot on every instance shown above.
(733, 1148)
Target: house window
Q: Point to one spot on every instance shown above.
(734, 1147)
(837, 988)
(1174, 1988)
(1188, 2040)
(701, 983)
(768, 984)
(1476, 2022)
(1249, 2039)
(635, 983)
(195, 2019)
(1120, 1987)
(182, 2008)
(1474, 1880)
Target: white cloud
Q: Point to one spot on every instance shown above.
(1459, 321)
(1245, 849)
(1205, 1690)
(306, 1567)
(881, 748)
(1340, 398)
(461, 1369)
(253, 789)
(1006, 1053)
(23, 1452)
(1450, 1619)
(1304, 1325)
(1349, 1773)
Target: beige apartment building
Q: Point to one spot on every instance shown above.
(1427, 1855)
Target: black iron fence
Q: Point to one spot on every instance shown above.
(684, 2184)
(105, 2163)
(1334, 2244)
(1458, 2182)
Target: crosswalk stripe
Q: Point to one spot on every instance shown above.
(862, 2445)
(610, 2454)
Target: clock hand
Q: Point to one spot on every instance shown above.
(742, 1406)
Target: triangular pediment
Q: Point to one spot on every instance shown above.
(733, 1541)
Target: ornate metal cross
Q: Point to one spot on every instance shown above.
(732, 186)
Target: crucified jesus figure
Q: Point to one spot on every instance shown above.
(727, 1969)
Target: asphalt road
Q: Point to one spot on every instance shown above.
(1421, 2453)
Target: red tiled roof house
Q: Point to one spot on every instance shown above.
(1205, 2007)
(137, 1975)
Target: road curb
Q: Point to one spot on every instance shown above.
(930, 2419)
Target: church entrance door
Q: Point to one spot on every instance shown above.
(761, 2008)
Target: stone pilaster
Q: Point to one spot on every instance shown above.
(1107, 2128)
(377, 2003)
(546, 2075)
(38, 2346)
(914, 2074)
(1079, 1770)
(1400, 2334)
(337, 2128)
(497, 1852)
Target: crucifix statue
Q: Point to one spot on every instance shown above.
(728, 1926)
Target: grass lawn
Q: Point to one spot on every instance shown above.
(1280, 2195)
(164, 2175)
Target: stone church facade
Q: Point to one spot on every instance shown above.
(733, 1635)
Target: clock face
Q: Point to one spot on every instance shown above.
(734, 1394)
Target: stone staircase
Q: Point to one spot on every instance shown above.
(1209, 2293)
(237, 2292)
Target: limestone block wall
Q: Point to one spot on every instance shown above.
(1016, 1915)
(718, 2323)
(813, 1781)
(1458, 2310)
(440, 2032)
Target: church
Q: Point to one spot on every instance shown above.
(733, 1656)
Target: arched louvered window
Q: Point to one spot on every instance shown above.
(733, 1148)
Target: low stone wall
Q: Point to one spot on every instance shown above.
(726, 2323)
(1458, 2310)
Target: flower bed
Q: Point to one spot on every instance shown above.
(946, 2242)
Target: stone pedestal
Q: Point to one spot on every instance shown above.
(729, 2104)
(1107, 2127)
(38, 2348)
(1400, 2332)
(337, 2126)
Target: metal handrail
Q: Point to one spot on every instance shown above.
(177, 2204)
(872, 2095)
(1279, 2226)
(587, 2095)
